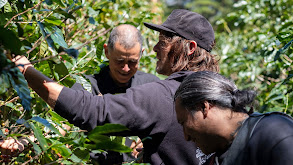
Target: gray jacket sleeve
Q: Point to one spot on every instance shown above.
(145, 109)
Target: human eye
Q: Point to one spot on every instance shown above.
(133, 61)
(119, 61)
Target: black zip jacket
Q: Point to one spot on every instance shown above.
(147, 110)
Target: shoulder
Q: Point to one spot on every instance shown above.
(141, 74)
(271, 130)
(275, 122)
(271, 141)
(142, 78)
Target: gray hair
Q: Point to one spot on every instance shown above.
(214, 88)
(127, 35)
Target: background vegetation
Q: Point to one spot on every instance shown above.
(64, 40)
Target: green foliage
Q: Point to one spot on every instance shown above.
(254, 45)
(64, 40)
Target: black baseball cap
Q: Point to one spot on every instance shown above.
(189, 25)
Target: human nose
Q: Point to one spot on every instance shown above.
(156, 47)
(126, 68)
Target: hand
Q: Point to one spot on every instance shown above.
(22, 63)
(12, 147)
(137, 148)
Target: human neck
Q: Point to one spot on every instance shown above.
(234, 121)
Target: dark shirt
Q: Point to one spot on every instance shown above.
(271, 143)
(103, 82)
(152, 115)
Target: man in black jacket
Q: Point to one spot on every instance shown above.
(186, 39)
(124, 50)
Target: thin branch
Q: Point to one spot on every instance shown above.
(22, 13)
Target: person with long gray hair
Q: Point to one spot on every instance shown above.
(214, 114)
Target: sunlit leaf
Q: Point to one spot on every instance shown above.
(39, 135)
(7, 8)
(47, 124)
(2, 3)
(86, 85)
(61, 149)
(56, 117)
(55, 21)
(48, 38)
(100, 49)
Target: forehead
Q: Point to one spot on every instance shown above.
(119, 51)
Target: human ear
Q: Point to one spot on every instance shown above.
(206, 108)
(192, 47)
(106, 50)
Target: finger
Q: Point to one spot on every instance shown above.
(18, 57)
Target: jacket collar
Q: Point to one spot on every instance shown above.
(179, 76)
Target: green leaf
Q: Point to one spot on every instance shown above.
(2, 3)
(47, 124)
(4, 81)
(104, 142)
(55, 117)
(61, 149)
(39, 135)
(64, 13)
(20, 85)
(37, 149)
(57, 36)
(55, 21)
(7, 8)
(99, 3)
(86, 85)
(10, 40)
(61, 70)
(81, 153)
(100, 48)
(72, 52)
(108, 128)
(44, 33)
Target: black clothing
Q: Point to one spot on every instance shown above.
(269, 142)
(147, 110)
(103, 82)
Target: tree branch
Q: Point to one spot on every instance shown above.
(22, 13)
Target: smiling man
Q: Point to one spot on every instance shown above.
(124, 50)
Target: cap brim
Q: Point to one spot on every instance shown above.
(158, 27)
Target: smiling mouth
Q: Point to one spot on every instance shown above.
(124, 74)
